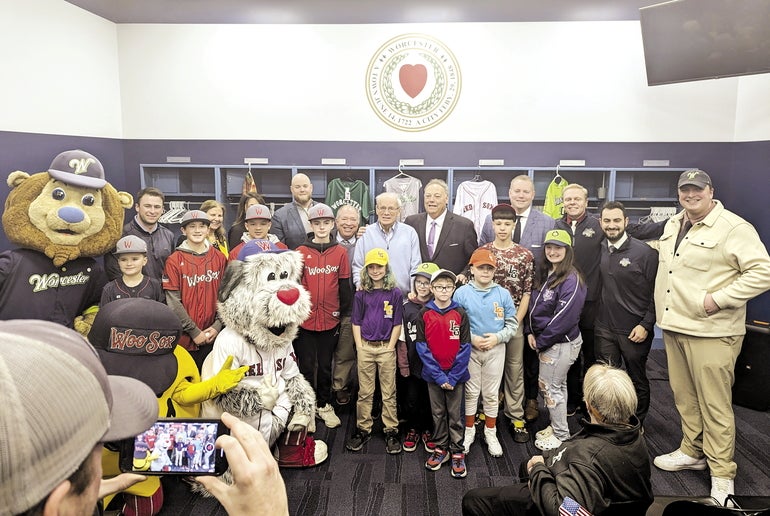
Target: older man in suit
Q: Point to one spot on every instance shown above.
(290, 222)
(531, 227)
(446, 239)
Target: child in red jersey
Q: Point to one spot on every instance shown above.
(326, 276)
(191, 280)
(444, 345)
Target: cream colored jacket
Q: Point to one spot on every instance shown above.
(723, 255)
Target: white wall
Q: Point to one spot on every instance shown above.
(67, 71)
(59, 70)
(752, 121)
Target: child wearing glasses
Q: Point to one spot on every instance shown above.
(493, 323)
(376, 323)
(444, 344)
(411, 389)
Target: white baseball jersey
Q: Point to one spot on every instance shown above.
(474, 201)
(408, 190)
(276, 366)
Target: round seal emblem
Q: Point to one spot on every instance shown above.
(413, 82)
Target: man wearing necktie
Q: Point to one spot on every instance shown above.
(446, 239)
(625, 320)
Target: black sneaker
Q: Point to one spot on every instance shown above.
(358, 440)
(392, 443)
(520, 434)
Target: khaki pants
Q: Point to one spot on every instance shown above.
(344, 356)
(513, 377)
(701, 371)
(371, 360)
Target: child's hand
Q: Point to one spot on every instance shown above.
(531, 341)
(201, 339)
(447, 387)
(488, 341)
(477, 342)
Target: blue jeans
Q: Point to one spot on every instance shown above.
(554, 364)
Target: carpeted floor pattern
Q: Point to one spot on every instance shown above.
(371, 482)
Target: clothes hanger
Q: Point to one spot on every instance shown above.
(477, 178)
(557, 178)
(401, 172)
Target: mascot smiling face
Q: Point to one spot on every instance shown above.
(262, 305)
(67, 212)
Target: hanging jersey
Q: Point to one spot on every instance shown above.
(554, 200)
(355, 193)
(474, 201)
(408, 190)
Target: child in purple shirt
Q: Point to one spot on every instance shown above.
(376, 324)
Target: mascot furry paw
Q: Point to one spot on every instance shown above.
(262, 304)
(60, 219)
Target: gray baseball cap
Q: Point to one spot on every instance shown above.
(78, 168)
(131, 244)
(195, 216)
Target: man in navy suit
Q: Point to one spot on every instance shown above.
(532, 225)
(446, 239)
(290, 222)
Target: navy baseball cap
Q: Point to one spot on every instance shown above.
(78, 168)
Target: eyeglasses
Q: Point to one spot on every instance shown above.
(387, 208)
(443, 288)
(422, 284)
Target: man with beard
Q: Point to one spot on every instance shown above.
(290, 222)
(626, 314)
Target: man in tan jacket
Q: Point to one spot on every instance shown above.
(712, 263)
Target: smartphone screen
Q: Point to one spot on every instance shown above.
(176, 447)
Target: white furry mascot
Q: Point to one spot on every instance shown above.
(262, 303)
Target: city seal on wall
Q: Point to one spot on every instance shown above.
(413, 82)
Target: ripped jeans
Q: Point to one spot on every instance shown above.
(554, 364)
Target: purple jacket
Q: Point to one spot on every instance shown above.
(554, 313)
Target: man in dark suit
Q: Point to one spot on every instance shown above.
(290, 222)
(531, 228)
(446, 239)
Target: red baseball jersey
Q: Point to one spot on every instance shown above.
(196, 277)
(321, 275)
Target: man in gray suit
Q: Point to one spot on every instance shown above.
(531, 227)
(290, 222)
(446, 239)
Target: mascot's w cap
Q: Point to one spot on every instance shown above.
(78, 168)
(256, 246)
(136, 337)
(376, 256)
(58, 403)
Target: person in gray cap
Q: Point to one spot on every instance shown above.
(131, 254)
(59, 406)
(712, 262)
(191, 280)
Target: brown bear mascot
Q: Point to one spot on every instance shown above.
(61, 219)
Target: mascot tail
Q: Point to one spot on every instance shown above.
(297, 449)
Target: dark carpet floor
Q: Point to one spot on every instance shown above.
(372, 482)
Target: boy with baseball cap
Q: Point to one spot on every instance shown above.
(515, 273)
(257, 222)
(326, 276)
(493, 323)
(131, 254)
(444, 345)
(191, 280)
(411, 389)
(51, 434)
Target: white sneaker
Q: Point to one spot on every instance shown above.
(548, 443)
(330, 419)
(545, 432)
(720, 488)
(493, 445)
(470, 436)
(677, 460)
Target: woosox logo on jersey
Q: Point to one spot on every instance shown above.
(329, 269)
(208, 277)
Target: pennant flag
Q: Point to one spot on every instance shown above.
(248, 183)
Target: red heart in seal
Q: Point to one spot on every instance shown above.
(413, 78)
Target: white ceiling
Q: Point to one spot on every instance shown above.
(361, 11)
